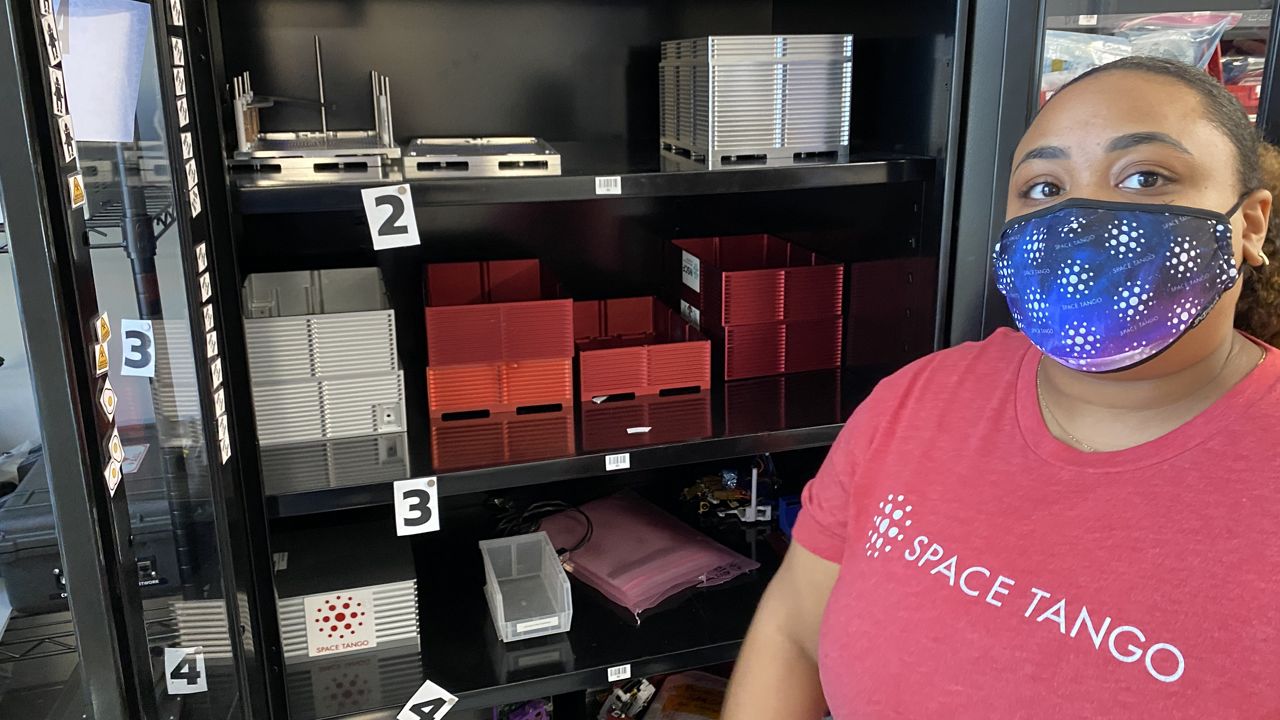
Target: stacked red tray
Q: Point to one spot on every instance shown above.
(772, 306)
(495, 341)
(651, 420)
(501, 439)
(633, 347)
(780, 402)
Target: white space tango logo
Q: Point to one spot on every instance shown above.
(1126, 643)
(889, 526)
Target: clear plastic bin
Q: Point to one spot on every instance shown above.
(526, 586)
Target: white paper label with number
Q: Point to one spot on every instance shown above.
(620, 672)
(609, 185)
(430, 702)
(138, 346)
(691, 270)
(389, 211)
(417, 506)
(1088, 20)
(621, 461)
(184, 671)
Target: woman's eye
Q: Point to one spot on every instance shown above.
(1142, 181)
(1043, 190)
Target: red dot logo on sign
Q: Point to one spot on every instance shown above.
(339, 622)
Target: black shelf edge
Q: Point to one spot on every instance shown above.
(263, 197)
(567, 468)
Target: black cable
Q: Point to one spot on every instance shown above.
(519, 522)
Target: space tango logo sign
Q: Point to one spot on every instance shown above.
(1072, 619)
(339, 622)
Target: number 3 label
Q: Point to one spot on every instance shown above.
(184, 671)
(139, 345)
(389, 211)
(417, 506)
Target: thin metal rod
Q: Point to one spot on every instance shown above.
(324, 120)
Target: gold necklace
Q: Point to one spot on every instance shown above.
(1084, 445)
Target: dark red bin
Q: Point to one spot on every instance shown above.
(892, 311)
(770, 305)
(768, 404)
(617, 425)
(638, 347)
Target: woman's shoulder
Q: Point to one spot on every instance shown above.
(977, 365)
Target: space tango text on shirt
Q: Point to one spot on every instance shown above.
(1126, 643)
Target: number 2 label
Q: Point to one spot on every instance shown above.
(417, 506)
(389, 211)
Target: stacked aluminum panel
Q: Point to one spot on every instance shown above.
(757, 99)
(328, 392)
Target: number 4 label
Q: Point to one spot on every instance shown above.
(431, 702)
(389, 211)
(184, 671)
(417, 506)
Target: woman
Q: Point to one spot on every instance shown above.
(1078, 520)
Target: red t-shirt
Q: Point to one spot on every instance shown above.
(989, 570)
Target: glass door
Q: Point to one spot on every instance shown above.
(115, 275)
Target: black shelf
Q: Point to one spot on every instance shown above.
(749, 417)
(647, 175)
(461, 651)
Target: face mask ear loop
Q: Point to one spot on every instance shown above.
(1239, 204)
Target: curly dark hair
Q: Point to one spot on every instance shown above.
(1257, 166)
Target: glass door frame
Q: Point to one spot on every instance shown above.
(57, 304)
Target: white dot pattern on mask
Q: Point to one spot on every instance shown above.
(1036, 245)
(1184, 258)
(1081, 340)
(1133, 301)
(1075, 278)
(1036, 305)
(1183, 314)
(1123, 240)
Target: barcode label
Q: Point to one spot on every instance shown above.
(620, 672)
(1088, 20)
(691, 271)
(609, 185)
(621, 461)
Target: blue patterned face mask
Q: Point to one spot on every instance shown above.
(1102, 286)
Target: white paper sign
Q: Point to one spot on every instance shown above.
(52, 48)
(417, 506)
(67, 138)
(389, 211)
(691, 270)
(105, 44)
(621, 461)
(340, 622)
(609, 185)
(430, 702)
(184, 671)
(1088, 20)
(58, 87)
(138, 348)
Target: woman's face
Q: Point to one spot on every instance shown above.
(1137, 137)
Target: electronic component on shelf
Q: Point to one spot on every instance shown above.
(633, 347)
(762, 99)
(770, 305)
(439, 158)
(322, 154)
(527, 589)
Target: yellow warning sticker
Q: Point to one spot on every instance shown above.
(101, 362)
(75, 189)
(102, 328)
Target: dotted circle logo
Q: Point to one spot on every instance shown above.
(889, 526)
(340, 616)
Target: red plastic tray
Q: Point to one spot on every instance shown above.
(616, 425)
(892, 311)
(742, 279)
(499, 387)
(775, 348)
(637, 347)
(494, 311)
(781, 402)
(501, 439)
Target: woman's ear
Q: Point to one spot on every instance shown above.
(1256, 213)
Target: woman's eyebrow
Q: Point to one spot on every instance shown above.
(1132, 140)
(1044, 152)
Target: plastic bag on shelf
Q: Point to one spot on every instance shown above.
(1068, 54)
(638, 555)
(1189, 37)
